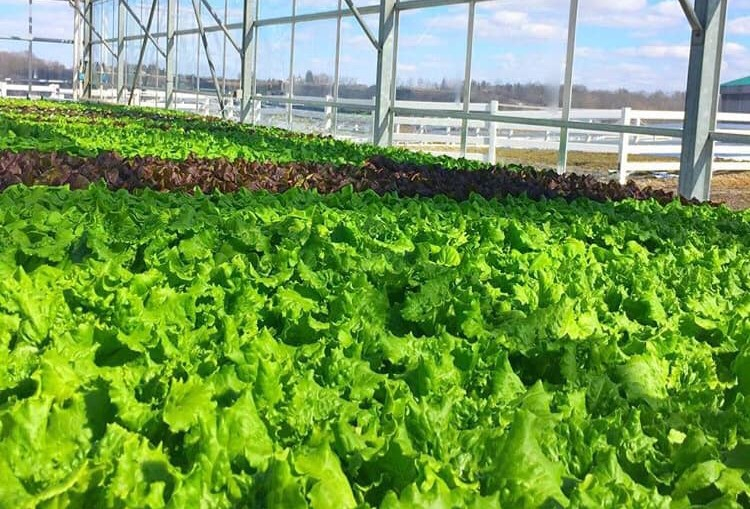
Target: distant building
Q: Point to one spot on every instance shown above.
(735, 96)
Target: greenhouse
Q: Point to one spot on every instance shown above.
(356, 254)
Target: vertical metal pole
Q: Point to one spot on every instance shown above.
(87, 48)
(622, 167)
(121, 64)
(224, 57)
(467, 76)
(336, 66)
(702, 99)
(385, 84)
(171, 59)
(197, 70)
(31, 50)
(77, 49)
(247, 78)
(290, 92)
(567, 99)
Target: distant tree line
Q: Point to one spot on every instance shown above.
(14, 65)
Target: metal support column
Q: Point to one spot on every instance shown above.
(702, 99)
(30, 58)
(171, 62)
(385, 85)
(290, 90)
(120, 79)
(87, 47)
(567, 98)
(78, 27)
(247, 56)
(467, 76)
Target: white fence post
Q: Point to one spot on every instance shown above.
(492, 134)
(624, 146)
(256, 111)
(3, 89)
(328, 114)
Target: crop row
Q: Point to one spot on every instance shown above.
(351, 350)
(378, 174)
(91, 129)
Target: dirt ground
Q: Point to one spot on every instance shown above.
(730, 188)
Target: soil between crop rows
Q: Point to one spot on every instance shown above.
(378, 174)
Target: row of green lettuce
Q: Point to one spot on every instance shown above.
(353, 351)
(88, 129)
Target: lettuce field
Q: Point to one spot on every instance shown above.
(288, 331)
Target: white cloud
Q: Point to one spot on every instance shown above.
(657, 51)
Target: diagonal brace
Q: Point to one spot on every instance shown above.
(221, 24)
(362, 23)
(91, 26)
(211, 67)
(692, 17)
(142, 52)
(146, 32)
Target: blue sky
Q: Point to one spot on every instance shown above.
(638, 44)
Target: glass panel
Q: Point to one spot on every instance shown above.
(14, 64)
(274, 46)
(15, 18)
(186, 49)
(310, 6)
(141, 8)
(273, 114)
(354, 124)
(314, 58)
(274, 8)
(363, 3)
(235, 13)
(508, 36)
(186, 15)
(358, 61)
(312, 119)
(431, 54)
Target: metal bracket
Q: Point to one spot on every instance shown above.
(362, 24)
(692, 18)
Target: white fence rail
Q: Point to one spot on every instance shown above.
(442, 135)
(51, 91)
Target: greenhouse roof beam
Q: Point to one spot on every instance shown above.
(362, 24)
(222, 26)
(146, 32)
(692, 17)
(91, 27)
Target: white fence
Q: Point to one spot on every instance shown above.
(444, 135)
(51, 91)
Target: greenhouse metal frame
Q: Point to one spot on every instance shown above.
(706, 18)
